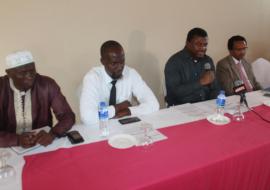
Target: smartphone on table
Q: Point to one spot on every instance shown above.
(129, 120)
(75, 137)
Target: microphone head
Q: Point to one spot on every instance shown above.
(238, 83)
(239, 87)
(207, 66)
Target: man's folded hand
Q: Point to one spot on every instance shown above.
(44, 138)
(122, 113)
(122, 106)
(27, 140)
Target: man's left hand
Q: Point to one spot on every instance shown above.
(123, 113)
(45, 138)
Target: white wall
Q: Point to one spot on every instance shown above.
(65, 35)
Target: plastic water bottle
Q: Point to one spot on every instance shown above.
(220, 102)
(103, 115)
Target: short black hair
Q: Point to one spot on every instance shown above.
(196, 32)
(107, 45)
(235, 39)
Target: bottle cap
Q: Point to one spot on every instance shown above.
(222, 92)
(102, 104)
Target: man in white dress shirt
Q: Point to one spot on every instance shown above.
(116, 84)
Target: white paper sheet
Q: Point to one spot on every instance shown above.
(138, 131)
(20, 150)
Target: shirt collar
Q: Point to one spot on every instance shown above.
(236, 61)
(188, 55)
(108, 79)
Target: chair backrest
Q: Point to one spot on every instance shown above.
(261, 69)
(164, 89)
(78, 92)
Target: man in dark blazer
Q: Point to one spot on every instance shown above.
(234, 67)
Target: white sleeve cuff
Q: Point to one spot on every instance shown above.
(111, 111)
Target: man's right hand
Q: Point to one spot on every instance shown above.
(27, 140)
(207, 78)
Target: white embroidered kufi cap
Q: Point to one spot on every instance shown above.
(18, 59)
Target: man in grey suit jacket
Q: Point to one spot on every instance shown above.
(234, 67)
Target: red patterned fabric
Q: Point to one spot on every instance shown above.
(196, 156)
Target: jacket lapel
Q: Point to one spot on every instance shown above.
(233, 66)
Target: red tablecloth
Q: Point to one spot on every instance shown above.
(196, 156)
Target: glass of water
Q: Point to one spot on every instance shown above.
(238, 114)
(7, 172)
(147, 129)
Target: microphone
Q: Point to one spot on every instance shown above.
(209, 71)
(240, 89)
(207, 67)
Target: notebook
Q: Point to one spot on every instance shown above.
(20, 150)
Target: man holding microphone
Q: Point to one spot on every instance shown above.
(190, 73)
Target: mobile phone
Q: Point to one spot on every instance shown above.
(75, 137)
(129, 120)
(266, 94)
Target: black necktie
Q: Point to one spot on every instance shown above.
(113, 93)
